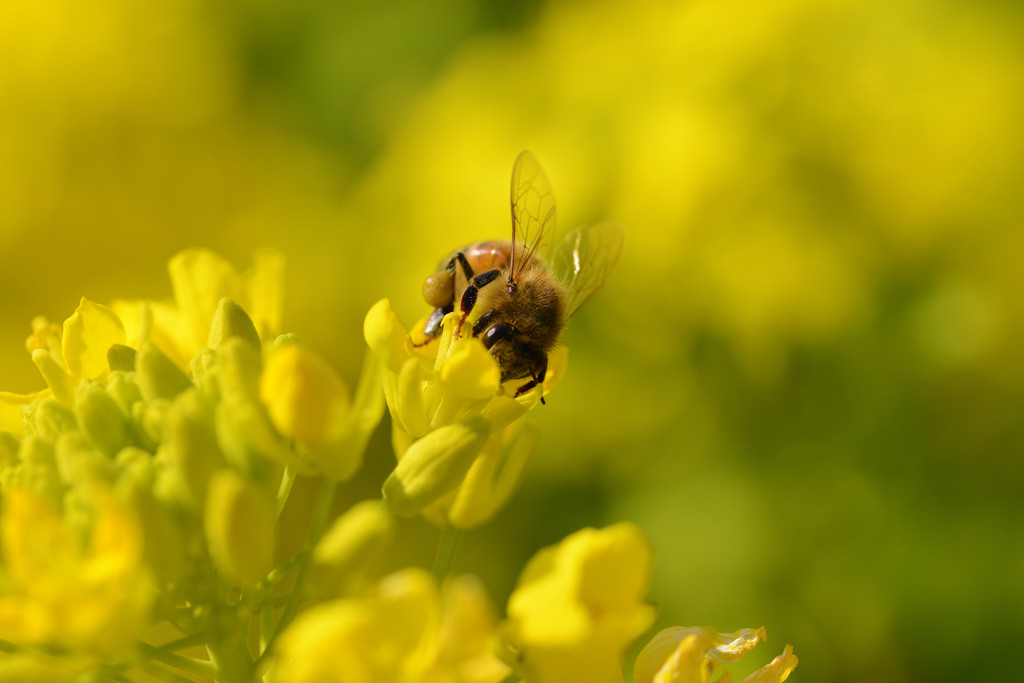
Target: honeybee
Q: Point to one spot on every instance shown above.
(519, 294)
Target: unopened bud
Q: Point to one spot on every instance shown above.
(302, 394)
(206, 374)
(157, 375)
(121, 358)
(435, 465)
(122, 388)
(101, 419)
(239, 525)
(231, 320)
(78, 463)
(52, 417)
(350, 550)
(385, 334)
(286, 338)
(240, 366)
(190, 443)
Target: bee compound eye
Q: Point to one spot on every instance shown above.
(496, 333)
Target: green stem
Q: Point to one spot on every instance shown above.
(266, 626)
(446, 553)
(287, 479)
(163, 674)
(181, 643)
(282, 571)
(198, 667)
(320, 514)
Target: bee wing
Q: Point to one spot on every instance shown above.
(533, 214)
(585, 259)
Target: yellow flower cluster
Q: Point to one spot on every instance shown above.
(144, 484)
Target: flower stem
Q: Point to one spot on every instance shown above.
(193, 666)
(446, 553)
(285, 567)
(163, 674)
(287, 479)
(320, 514)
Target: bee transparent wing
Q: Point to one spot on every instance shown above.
(585, 260)
(533, 214)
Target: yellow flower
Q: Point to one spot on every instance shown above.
(91, 600)
(200, 279)
(403, 633)
(692, 654)
(578, 606)
(457, 433)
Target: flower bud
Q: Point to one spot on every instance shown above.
(206, 374)
(52, 417)
(163, 545)
(122, 388)
(494, 476)
(157, 376)
(231, 320)
(385, 334)
(121, 358)
(135, 467)
(9, 445)
(147, 422)
(240, 366)
(79, 464)
(349, 552)
(435, 465)
(190, 444)
(101, 419)
(302, 393)
(38, 470)
(239, 524)
(287, 338)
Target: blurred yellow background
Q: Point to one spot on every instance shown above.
(804, 381)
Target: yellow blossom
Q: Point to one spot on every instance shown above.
(579, 604)
(403, 633)
(693, 654)
(86, 600)
(436, 392)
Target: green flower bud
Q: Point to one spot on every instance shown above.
(157, 375)
(122, 388)
(38, 470)
(135, 467)
(163, 548)
(9, 445)
(435, 465)
(52, 417)
(190, 444)
(121, 358)
(78, 463)
(206, 374)
(101, 419)
(231, 320)
(240, 367)
(288, 338)
(347, 555)
(239, 525)
(147, 423)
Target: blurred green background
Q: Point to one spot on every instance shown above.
(804, 381)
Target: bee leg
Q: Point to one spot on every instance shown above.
(433, 327)
(537, 377)
(467, 270)
(469, 296)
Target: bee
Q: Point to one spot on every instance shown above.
(517, 294)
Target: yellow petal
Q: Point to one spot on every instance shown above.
(470, 371)
(10, 408)
(88, 335)
(730, 647)
(558, 363)
(60, 382)
(200, 279)
(264, 289)
(687, 663)
(385, 334)
(302, 393)
(666, 652)
(776, 671)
